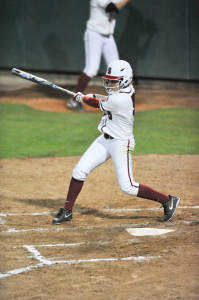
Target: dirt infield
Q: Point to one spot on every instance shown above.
(95, 255)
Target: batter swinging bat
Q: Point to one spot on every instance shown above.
(39, 80)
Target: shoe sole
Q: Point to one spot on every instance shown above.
(76, 109)
(55, 223)
(174, 211)
(69, 106)
(60, 223)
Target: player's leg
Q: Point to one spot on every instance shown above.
(110, 51)
(121, 154)
(93, 53)
(93, 42)
(169, 202)
(95, 155)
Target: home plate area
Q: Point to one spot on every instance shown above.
(148, 231)
(89, 244)
(75, 253)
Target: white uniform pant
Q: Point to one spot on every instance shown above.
(97, 45)
(100, 151)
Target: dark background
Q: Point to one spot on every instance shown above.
(160, 38)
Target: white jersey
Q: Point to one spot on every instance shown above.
(118, 117)
(100, 21)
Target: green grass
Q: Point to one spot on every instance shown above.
(167, 131)
(26, 132)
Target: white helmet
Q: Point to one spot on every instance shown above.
(119, 75)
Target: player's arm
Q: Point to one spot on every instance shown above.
(115, 7)
(89, 99)
(121, 3)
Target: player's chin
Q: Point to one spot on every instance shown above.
(113, 90)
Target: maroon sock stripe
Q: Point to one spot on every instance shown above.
(151, 194)
(82, 82)
(73, 191)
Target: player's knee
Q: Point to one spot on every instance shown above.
(90, 72)
(129, 188)
(79, 173)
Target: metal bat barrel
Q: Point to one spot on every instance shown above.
(39, 80)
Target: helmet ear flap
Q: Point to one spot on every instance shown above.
(124, 82)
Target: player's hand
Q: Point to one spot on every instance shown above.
(79, 97)
(90, 95)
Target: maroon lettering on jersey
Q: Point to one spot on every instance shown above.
(133, 101)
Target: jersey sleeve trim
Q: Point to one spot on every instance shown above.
(100, 105)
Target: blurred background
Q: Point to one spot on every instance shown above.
(158, 37)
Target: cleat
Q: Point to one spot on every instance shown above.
(74, 105)
(170, 208)
(62, 216)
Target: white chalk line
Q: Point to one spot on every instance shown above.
(53, 228)
(47, 262)
(13, 230)
(27, 214)
(123, 210)
(19, 271)
(70, 262)
(44, 262)
(106, 210)
(72, 244)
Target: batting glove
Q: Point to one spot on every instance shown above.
(79, 97)
(91, 95)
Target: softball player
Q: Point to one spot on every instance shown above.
(98, 41)
(116, 141)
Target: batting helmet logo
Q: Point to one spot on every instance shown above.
(109, 70)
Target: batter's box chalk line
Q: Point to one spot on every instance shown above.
(114, 210)
(42, 261)
(87, 228)
(126, 210)
(47, 262)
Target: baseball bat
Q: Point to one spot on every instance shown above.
(39, 80)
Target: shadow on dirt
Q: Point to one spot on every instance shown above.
(58, 203)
